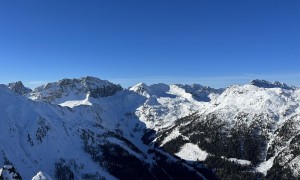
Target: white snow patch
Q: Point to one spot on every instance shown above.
(174, 134)
(264, 167)
(192, 152)
(72, 104)
(174, 89)
(41, 176)
(240, 161)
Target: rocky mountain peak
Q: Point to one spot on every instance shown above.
(199, 92)
(41, 176)
(19, 88)
(75, 88)
(9, 172)
(267, 84)
(141, 89)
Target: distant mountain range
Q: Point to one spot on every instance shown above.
(90, 128)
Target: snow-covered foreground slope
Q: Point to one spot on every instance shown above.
(88, 128)
(35, 136)
(103, 140)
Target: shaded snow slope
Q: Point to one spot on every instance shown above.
(34, 135)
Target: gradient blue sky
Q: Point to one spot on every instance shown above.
(211, 42)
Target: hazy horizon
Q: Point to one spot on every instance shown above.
(205, 81)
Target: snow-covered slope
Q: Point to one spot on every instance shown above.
(201, 93)
(85, 142)
(242, 123)
(252, 129)
(35, 136)
(277, 102)
(167, 103)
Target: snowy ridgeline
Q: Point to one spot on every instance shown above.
(187, 121)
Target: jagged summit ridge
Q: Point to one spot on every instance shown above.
(201, 93)
(141, 88)
(74, 89)
(197, 91)
(267, 84)
(19, 88)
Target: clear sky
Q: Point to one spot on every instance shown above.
(211, 42)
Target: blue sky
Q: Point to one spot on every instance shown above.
(211, 42)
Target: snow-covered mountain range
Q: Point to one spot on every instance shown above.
(89, 128)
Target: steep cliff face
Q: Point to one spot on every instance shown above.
(19, 88)
(74, 90)
(267, 84)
